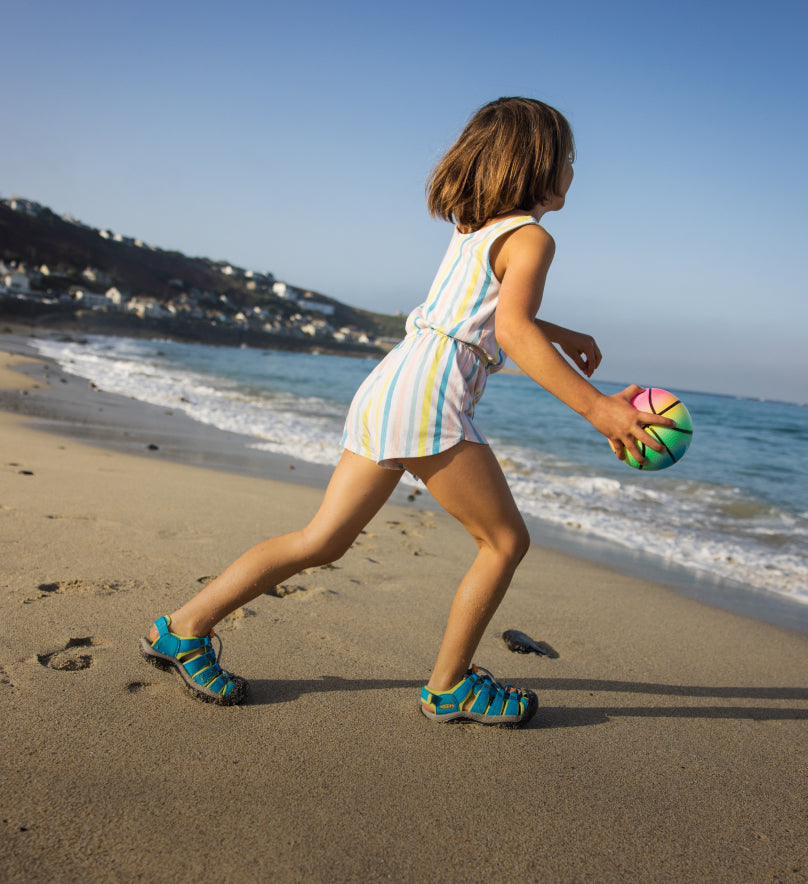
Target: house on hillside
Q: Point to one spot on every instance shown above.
(146, 307)
(93, 274)
(90, 300)
(27, 207)
(351, 334)
(287, 292)
(18, 281)
(116, 297)
(308, 304)
(317, 328)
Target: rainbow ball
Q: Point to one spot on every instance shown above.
(675, 439)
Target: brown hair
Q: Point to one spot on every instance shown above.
(509, 157)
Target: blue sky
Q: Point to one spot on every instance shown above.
(297, 137)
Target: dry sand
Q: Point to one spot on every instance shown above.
(671, 743)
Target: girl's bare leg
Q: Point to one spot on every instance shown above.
(356, 492)
(468, 483)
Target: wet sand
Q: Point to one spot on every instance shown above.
(671, 742)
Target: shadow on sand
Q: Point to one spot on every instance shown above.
(265, 692)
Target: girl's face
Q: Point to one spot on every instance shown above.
(557, 202)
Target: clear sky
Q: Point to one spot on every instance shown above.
(296, 137)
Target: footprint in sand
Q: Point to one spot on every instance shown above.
(283, 590)
(286, 589)
(236, 619)
(68, 587)
(73, 657)
(137, 687)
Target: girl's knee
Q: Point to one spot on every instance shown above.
(324, 549)
(520, 543)
(511, 543)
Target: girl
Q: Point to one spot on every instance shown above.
(511, 164)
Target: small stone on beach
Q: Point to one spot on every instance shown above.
(520, 643)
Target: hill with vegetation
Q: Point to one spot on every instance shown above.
(33, 235)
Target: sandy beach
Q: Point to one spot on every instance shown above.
(671, 743)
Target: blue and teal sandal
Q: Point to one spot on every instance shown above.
(203, 676)
(494, 703)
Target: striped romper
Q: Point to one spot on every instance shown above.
(419, 400)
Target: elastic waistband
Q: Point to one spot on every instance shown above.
(473, 348)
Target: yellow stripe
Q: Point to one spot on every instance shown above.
(494, 234)
(428, 389)
(461, 310)
(365, 434)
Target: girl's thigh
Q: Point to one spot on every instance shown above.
(468, 482)
(356, 492)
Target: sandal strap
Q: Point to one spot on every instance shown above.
(175, 645)
(490, 697)
(204, 668)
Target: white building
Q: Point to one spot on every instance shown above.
(93, 274)
(287, 292)
(18, 282)
(316, 327)
(116, 297)
(147, 307)
(29, 207)
(91, 300)
(312, 306)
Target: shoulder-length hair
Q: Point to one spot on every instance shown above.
(510, 157)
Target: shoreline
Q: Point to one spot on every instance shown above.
(670, 742)
(75, 409)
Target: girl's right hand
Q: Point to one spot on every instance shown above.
(624, 426)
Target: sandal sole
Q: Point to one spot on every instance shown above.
(239, 693)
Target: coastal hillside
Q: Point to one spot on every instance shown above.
(72, 253)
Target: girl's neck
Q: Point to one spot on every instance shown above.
(516, 214)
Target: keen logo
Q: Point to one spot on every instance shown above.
(446, 705)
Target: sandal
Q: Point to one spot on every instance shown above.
(493, 703)
(202, 675)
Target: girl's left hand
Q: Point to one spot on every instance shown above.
(581, 349)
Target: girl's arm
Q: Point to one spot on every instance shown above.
(521, 262)
(580, 348)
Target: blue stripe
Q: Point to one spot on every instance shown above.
(447, 370)
(381, 441)
(433, 301)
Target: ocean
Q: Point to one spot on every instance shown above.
(732, 513)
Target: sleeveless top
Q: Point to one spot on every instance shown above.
(419, 400)
(463, 297)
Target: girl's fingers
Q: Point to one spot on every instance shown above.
(630, 392)
(648, 418)
(651, 442)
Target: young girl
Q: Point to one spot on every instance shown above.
(511, 164)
